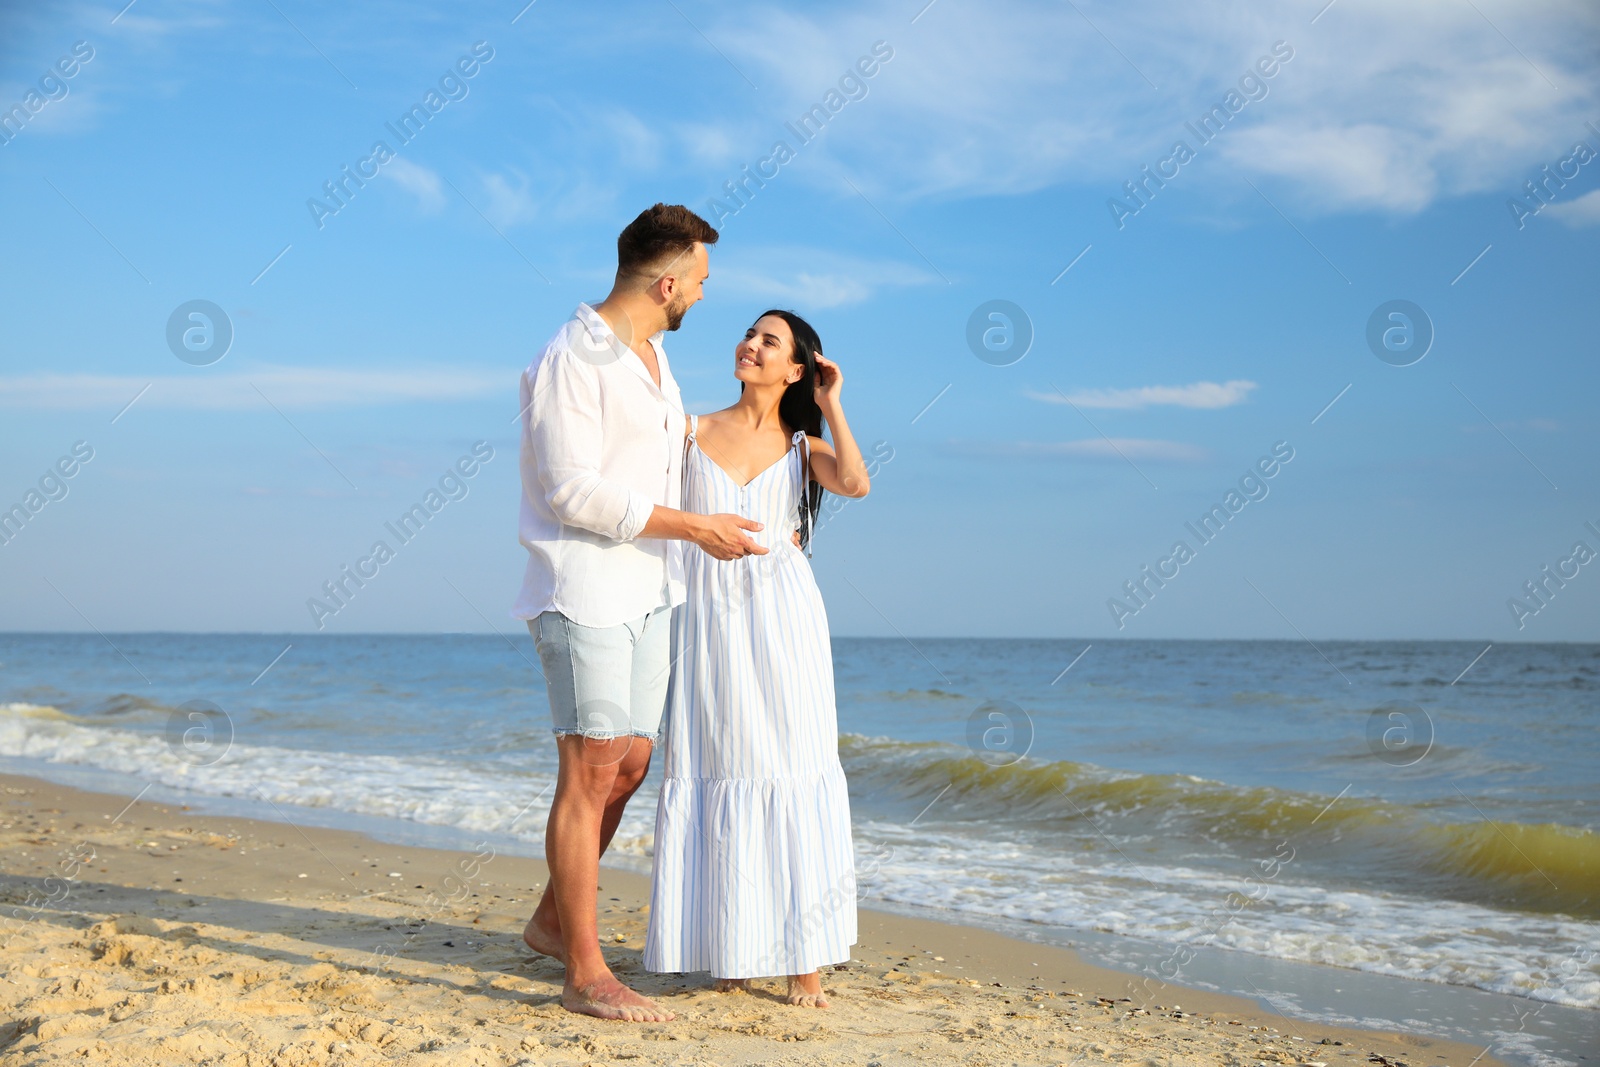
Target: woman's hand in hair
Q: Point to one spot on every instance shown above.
(829, 382)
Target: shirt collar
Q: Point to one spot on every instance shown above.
(603, 335)
(601, 332)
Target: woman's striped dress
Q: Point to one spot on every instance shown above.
(754, 867)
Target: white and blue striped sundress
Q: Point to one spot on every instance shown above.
(754, 866)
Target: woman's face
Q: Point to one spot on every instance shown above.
(765, 356)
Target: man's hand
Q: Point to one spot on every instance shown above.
(722, 536)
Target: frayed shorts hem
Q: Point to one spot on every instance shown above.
(593, 735)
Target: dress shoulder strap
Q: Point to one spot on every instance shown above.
(688, 446)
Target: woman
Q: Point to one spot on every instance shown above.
(754, 868)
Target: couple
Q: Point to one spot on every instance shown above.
(754, 869)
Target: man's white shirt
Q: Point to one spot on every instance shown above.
(602, 446)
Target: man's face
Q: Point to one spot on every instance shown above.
(688, 284)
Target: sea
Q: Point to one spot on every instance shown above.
(1396, 834)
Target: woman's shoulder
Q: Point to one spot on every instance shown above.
(819, 444)
(713, 418)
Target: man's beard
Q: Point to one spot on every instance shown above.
(675, 313)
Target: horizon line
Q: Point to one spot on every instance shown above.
(849, 637)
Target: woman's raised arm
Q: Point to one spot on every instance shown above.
(839, 468)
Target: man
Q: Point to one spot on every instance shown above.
(602, 452)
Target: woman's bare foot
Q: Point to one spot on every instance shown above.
(805, 990)
(732, 985)
(545, 939)
(608, 998)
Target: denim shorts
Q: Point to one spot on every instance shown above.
(605, 681)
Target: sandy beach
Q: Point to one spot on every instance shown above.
(145, 934)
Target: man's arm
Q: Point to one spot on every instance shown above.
(722, 536)
(566, 436)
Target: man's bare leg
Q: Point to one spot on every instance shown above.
(586, 782)
(543, 932)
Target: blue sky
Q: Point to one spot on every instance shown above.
(978, 162)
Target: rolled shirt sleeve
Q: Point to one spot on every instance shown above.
(639, 508)
(565, 430)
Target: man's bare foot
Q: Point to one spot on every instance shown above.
(543, 940)
(608, 998)
(732, 985)
(805, 990)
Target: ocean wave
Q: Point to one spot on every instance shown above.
(490, 798)
(921, 696)
(36, 711)
(1535, 867)
(119, 707)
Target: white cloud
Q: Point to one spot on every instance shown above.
(1364, 165)
(78, 112)
(1383, 106)
(1197, 395)
(1584, 211)
(710, 145)
(637, 142)
(147, 24)
(600, 148)
(511, 201)
(1119, 448)
(517, 197)
(809, 277)
(417, 180)
(286, 387)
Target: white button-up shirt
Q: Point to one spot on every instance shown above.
(602, 445)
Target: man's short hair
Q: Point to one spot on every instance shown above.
(658, 235)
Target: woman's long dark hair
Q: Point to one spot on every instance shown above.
(798, 407)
